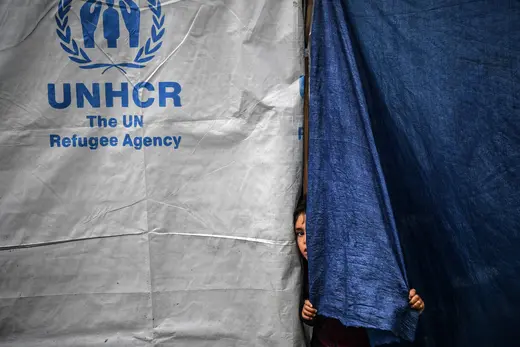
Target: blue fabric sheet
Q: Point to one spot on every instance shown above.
(355, 260)
(415, 133)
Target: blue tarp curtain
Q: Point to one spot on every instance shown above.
(414, 156)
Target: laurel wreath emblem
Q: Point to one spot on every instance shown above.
(76, 54)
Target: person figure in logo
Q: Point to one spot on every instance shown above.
(329, 332)
(132, 19)
(89, 16)
(111, 24)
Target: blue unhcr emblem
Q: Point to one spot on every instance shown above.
(92, 14)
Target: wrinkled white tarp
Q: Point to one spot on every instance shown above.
(185, 242)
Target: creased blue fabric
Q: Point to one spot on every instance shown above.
(355, 260)
(442, 87)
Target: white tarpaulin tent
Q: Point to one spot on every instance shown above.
(150, 159)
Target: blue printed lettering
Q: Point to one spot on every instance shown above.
(83, 93)
(51, 96)
(112, 122)
(91, 120)
(82, 142)
(102, 122)
(55, 140)
(111, 94)
(92, 142)
(138, 102)
(91, 96)
(139, 142)
(135, 121)
(177, 140)
(128, 141)
(157, 141)
(174, 95)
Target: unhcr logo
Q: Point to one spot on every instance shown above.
(111, 19)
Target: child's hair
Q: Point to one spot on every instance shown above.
(301, 207)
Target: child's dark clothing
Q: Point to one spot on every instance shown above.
(329, 332)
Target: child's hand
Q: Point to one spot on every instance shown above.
(415, 301)
(308, 312)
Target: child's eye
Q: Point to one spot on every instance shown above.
(300, 233)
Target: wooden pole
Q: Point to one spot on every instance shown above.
(308, 20)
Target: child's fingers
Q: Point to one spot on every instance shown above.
(310, 315)
(418, 305)
(413, 293)
(415, 299)
(309, 311)
(307, 316)
(309, 307)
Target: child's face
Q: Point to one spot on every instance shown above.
(301, 236)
